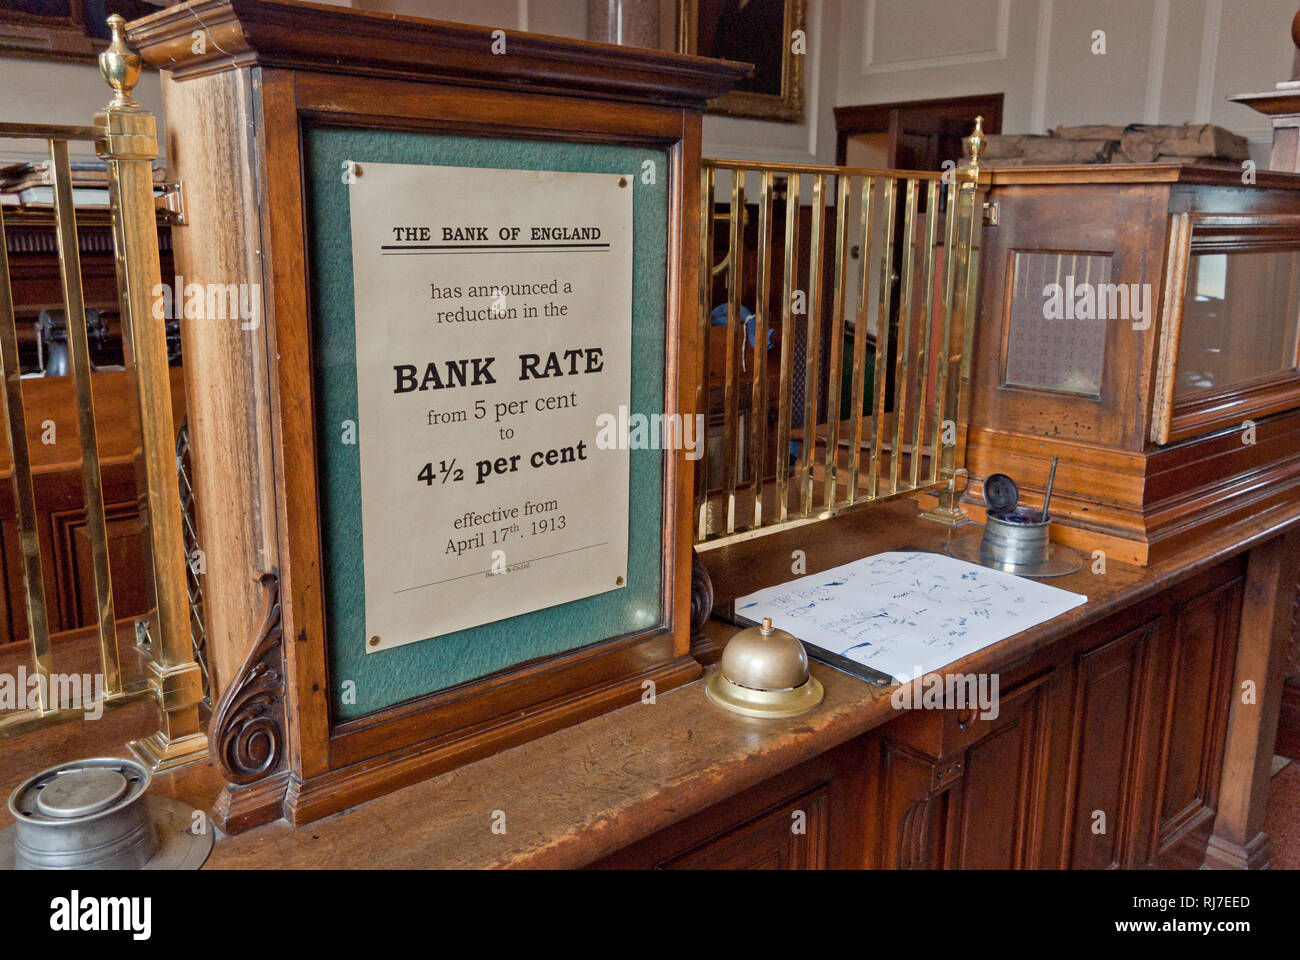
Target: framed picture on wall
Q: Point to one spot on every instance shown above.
(761, 32)
(63, 29)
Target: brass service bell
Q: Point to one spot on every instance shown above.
(764, 673)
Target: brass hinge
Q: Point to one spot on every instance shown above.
(171, 202)
(990, 213)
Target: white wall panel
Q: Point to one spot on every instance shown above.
(915, 34)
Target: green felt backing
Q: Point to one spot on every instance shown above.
(381, 679)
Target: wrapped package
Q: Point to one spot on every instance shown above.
(1094, 131)
(1060, 150)
(1143, 143)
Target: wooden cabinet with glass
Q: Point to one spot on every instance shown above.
(1142, 324)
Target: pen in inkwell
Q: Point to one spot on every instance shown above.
(1047, 496)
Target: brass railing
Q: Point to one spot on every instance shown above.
(125, 136)
(906, 433)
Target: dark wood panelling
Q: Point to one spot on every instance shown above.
(1105, 752)
(755, 830)
(922, 133)
(999, 823)
(74, 571)
(1106, 719)
(790, 836)
(1195, 714)
(60, 511)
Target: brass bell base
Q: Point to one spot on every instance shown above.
(764, 703)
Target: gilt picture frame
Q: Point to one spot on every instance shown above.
(72, 30)
(761, 32)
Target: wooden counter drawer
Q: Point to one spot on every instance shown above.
(788, 836)
(810, 817)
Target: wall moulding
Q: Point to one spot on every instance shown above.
(996, 50)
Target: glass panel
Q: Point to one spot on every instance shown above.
(1240, 319)
(1057, 334)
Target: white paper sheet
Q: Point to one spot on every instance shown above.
(907, 614)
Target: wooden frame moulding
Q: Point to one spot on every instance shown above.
(1192, 233)
(449, 727)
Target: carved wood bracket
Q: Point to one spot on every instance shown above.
(701, 595)
(247, 732)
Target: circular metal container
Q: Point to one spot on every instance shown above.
(87, 815)
(1018, 542)
(1017, 538)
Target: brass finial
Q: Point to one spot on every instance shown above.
(120, 65)
(975, 144)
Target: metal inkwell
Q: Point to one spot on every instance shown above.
(1015, 539)
(96, 815)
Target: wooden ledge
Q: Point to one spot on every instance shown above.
(1213, 174)
(313, 36)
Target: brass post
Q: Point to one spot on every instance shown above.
(812, 341)
(787, 346)
(127, 139)
(962, 261)
(79, 355)
(15, 427)
(758, 369)
(882, 336)
(735, 328)
(835, 367)
(705, 320)
(927, 325)
(858, 372)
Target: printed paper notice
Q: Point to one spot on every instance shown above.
(493, 326)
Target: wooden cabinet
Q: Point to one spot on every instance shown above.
(1107, 739)
(912, 134)
(1105, 752)
(1168, 385)
(1140, 733)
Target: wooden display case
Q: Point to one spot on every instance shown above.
(279, 85)
(1140, 323)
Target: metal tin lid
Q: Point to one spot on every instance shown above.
(1001, 493)
(80, 792)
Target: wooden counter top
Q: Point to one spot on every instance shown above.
(584, 792)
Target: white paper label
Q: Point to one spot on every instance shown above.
(493, 326)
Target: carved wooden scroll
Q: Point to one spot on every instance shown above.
(247, 731)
